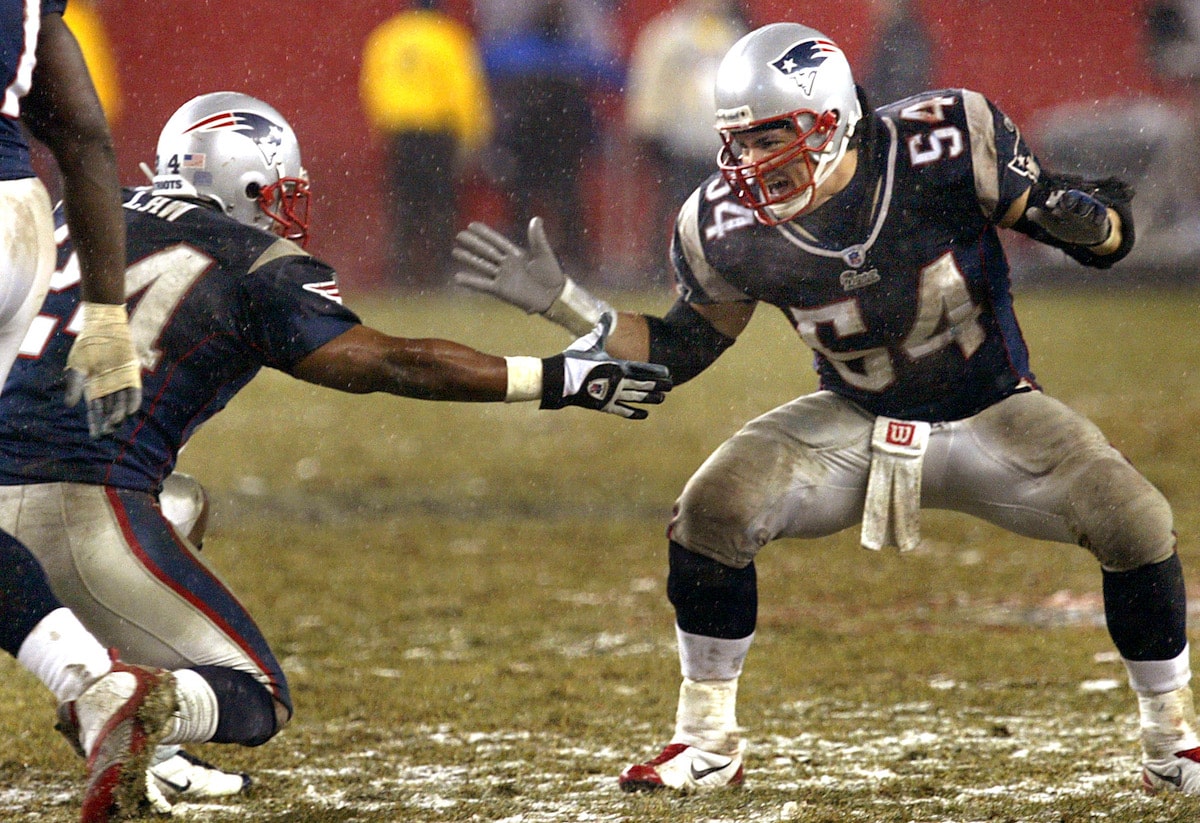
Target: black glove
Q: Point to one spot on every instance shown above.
(586, 375)
(1070, 215)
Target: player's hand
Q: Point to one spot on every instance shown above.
(103, 367)
(586, 375)
(1073, 216)
(530, 279)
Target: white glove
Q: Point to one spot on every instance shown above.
(531, 280)
(103, 367)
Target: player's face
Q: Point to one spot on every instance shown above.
(787, 173)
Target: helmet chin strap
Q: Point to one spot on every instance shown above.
(825, 166)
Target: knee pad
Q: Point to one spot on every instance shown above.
(711, 598)
(1117, 513)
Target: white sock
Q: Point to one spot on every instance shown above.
(64, 655)
(196, 719)
(711, 658)
(1168, 723)
(706, 717)
(1150, 677)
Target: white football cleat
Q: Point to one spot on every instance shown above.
(116, 723)
(1179, 772)
(684, 768)
(187, 777)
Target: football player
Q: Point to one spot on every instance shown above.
(219, 286)
(875, 233)
(47, 89)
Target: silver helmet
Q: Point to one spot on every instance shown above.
(238, 152)
(788, 75)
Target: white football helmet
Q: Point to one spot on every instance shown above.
(239, 153)
(785, 75)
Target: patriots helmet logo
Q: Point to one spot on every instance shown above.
(799, 61)
(267, 135)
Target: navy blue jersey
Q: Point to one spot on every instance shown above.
(20, 21)
(211, 301)
(898, 283)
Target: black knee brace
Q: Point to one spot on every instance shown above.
(710, 598)
(245, 708)
(25, 596)
(1146, 610)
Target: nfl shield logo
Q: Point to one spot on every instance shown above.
(855, 256)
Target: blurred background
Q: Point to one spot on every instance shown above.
(416, 117)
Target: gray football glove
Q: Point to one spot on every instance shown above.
(1072, 216)
(103, 368)
(586, 375)
(529, 279)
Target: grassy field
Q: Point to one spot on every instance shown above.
(469, 602)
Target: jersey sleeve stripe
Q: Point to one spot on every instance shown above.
(984, 163)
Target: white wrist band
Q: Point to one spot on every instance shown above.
(524, 379)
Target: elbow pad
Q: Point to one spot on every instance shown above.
(1114, 193)
(684, 342)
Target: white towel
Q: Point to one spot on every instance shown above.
(892, 513)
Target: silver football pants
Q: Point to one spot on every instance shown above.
(1028, 464)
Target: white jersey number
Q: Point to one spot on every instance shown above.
(166, 275)
(943, 297)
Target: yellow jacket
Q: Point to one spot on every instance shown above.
(87, 26)
(422, 70)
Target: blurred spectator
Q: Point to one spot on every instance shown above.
(423, 90)
(585, 21)
(83, 19)
(1151, 142)
(900, 63)
(546, 80)
(1170, 190)
(670, 104)
(1173, 38)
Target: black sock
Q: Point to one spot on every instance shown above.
(1146, 610)
(25, 595)
(710, 598)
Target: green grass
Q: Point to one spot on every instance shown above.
(469, 602)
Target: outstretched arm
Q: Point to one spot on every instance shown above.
(687, 339)
(363, 360)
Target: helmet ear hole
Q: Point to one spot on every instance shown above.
(253, 190)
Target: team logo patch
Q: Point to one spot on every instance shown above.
(801, 60)
(328, 290)
(1026, 166)
(598, 388)
(267, 135)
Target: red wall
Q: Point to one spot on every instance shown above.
(302, 57)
